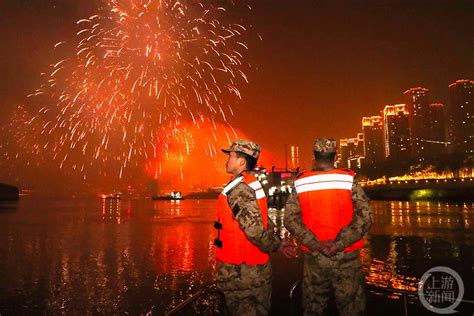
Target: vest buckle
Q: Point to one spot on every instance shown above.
(217, 225)
(218, 243)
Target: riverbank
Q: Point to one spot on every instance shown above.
(420, 190)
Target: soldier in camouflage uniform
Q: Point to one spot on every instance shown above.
(326, 266)
(247, 287)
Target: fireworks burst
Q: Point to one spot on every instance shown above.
(136, 73)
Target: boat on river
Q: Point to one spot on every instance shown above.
(173, 195)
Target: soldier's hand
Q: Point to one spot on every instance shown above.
(288, 248)
(327, 248)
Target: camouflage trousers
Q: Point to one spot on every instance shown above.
(247, 289)
(341, 276)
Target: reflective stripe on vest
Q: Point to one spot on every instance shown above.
(232, 246)
(326, 203)
(257, 187)
(231, 185)
(324, 182)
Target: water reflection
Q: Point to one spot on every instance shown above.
(408, 238)
(426, 219)
(140, 256)
(8, 206)
(131, 256)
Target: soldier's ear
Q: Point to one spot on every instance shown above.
(242, 161)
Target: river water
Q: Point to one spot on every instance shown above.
(100, 256)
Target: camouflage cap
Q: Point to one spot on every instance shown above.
(325, 145)
(246, 147)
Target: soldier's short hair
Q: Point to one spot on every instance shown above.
(250, 162)
(324, 157)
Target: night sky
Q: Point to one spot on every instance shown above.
(320, 67)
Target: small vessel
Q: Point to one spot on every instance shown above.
(9, 192)
(173, 195)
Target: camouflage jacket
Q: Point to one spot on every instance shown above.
(243, 199)
(362, 219)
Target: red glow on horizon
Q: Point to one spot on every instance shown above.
(195, 162)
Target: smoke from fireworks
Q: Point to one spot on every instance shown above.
(137, 71)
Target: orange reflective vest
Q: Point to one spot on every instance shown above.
(232, 246)
(326, 203)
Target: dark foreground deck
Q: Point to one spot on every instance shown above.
(286, 297)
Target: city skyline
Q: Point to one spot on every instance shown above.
(417, 129)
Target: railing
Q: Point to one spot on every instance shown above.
(201, 294)
(184, 308)
(405, 294)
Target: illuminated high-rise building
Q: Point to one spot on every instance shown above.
(348, 151)
(294, 157)
(418, 105)
(360, 148)
(358, 158)
(461, 116)
(396, 131)
(437, 143)
(343, 153)
(372, 128)
(438, 121)
(351, 152)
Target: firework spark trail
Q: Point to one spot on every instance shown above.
(137, 72)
